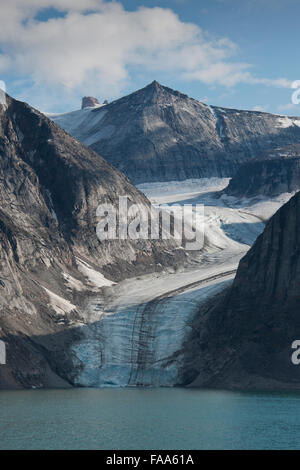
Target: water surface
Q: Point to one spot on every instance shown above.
(148, 419)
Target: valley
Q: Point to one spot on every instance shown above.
(136, 331)
(88, 312)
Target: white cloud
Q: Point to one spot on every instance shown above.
(230, 74)
(277, 82)
(290, 107)
(84, 49)
(259, 107)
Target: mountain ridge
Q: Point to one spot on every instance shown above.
(159, 134)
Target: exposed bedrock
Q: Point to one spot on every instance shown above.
(278, 172)
(245, 341)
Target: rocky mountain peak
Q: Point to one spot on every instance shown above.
(155, 85)
(159, 134)
(163, 91)
(89, 102)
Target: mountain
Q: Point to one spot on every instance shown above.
(51, 260)
(246, 340)
(158, 134)
(277, 173)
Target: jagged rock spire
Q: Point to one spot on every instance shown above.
(89, 102)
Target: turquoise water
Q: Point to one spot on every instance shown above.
(148, 419)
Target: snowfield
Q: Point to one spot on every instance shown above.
(84, 123)
(137, 328)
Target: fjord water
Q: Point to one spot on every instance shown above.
(148, 419)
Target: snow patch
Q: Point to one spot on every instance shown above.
(59, 304)
(219, 123)
(104, 133)
(53, 213)
(19, 134)
(284, 122)
(73, 283)
(95, 279)
(84, 123)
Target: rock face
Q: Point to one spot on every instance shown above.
(245, 341)
(51, 260)
(89, 102)
(268, 178)
(158, 134)
(278, 173)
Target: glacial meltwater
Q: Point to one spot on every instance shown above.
(148, 419)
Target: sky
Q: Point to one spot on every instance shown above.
(233, 53)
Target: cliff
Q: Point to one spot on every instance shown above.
(245, 341)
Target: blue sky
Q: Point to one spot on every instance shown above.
(240, 54)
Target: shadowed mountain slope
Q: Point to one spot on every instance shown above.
(51, 260)
(246, 340)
